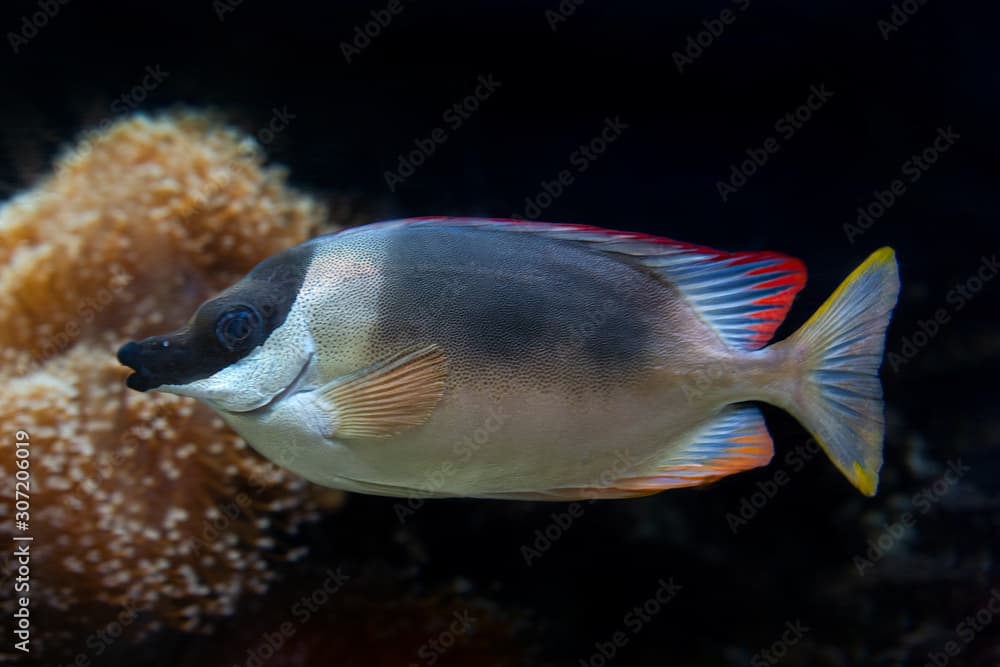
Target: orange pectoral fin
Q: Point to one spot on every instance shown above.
(386, 398)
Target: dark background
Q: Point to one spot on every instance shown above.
(795, 559)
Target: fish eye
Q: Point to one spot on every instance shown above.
(236, 328)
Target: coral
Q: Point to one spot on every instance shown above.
(138, 224)
(143, 502)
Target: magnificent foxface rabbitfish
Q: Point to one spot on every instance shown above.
(506, 359)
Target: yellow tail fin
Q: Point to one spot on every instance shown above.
(838, 395)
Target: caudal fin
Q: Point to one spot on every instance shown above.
(838, 395)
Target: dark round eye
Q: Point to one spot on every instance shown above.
(237, 328)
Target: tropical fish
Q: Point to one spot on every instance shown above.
(508, 359)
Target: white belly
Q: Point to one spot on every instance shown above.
(480, 445)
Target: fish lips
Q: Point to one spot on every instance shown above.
(156, 361)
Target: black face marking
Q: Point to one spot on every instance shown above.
(224, 329)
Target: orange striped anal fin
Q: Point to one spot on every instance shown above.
(736, 440)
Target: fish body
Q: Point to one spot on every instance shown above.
(505, 359)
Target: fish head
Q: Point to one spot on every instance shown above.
(241, 350)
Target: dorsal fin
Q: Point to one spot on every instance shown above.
(744, 296)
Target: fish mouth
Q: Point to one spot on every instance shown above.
(151, 360)
(287, 391)
(128, 355)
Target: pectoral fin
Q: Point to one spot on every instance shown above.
(386, 398)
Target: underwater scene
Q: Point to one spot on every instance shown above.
(562, 333)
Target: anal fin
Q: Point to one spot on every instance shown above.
(736, 440)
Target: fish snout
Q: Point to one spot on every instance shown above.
(155, 360)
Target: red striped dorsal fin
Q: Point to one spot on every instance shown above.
(743, 296)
